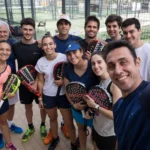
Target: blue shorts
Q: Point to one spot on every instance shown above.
(77, 115)
(51, 102)
(4, 107)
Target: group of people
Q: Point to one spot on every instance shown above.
(120, 69)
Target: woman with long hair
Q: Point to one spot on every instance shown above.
(79, 69)
(47, 86)
(103, 126)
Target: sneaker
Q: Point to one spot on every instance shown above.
(48, 139)
(16, 129)
(1, 141)
(54, 143)
(27, 134)
(74, 147)
(64, 130)
(43, 132)
(10, 147)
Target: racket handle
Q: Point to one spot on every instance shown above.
(58, 91)
(30, 88)
(83, 113)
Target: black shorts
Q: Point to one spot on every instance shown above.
(104, 143)
(52, 101)
(4, 107)
(26, 97)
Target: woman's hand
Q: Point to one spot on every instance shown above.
(10, 95)
(79, 106)
(90, 102)
(59, 82)
(41, 105)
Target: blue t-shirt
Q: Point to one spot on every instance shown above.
(132, 119)
(61, 44)
(11, 59)
(88, 78)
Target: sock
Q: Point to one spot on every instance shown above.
(42, 123)
(31, 126)
(9, 123)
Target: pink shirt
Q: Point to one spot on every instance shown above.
(3, 77)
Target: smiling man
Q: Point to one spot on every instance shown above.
(131, 112)
(91, 28)
(132, 33)
(27, 52)
(113, 26)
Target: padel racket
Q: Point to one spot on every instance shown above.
(95, 45)
(101, 97)
(76, 91)
(27, 75)
(58, 72)
(11, 85)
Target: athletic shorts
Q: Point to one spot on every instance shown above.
(4, 107)
(104, 143)
(14, 100)
(77, 115)
(51, 102)
(26, 97)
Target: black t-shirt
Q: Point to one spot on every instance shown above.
(27, 54)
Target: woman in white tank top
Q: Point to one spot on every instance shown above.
(103, 127)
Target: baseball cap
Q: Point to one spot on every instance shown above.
(63, 17)
(72, 46)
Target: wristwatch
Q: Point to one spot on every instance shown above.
(97, 107)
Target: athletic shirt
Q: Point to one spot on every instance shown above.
(61, 44)
(144, 53)
(3, 77)
(27, 54)
(45, 67)
(132, 119)
(103, 125)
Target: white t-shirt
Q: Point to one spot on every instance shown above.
(103, 125)
(144, 53)
(46, 67)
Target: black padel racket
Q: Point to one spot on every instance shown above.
(58, 72)
(27, 75)
(95, 45)
(11, 85)
(76, 91)
(101, 97)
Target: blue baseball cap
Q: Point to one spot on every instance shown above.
(72, 46)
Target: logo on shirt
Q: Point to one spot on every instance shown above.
(36, 53)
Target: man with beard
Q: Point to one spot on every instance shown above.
(27, 52)
(91, 27)
(132, 33)
(131, 112)
(4, 35)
